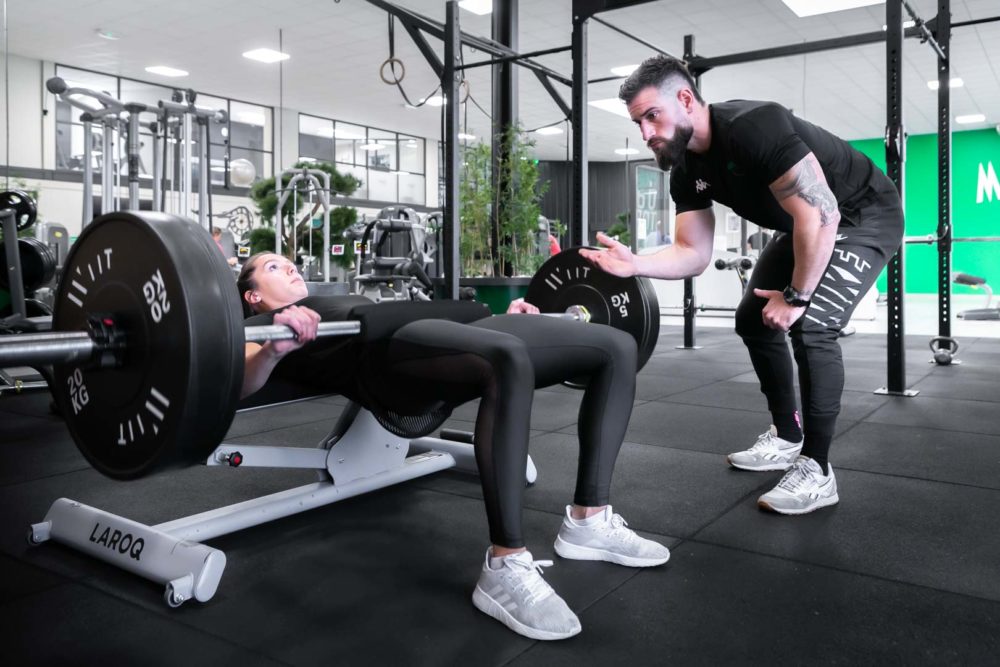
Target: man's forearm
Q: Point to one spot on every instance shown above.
(812, 244)
(671, 263)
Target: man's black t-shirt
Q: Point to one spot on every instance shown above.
(752, 144)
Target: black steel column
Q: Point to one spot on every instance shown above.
(504, 118)
(452, 265)
(944, 232)
(690, 307)
(895, 153)
(580, 210)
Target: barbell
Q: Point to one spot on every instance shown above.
(147, 340)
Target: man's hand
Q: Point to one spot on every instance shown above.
(522, 306)
(778, 314)
(616, 259)
(304, 321)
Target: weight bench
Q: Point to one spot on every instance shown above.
(976, 282)
(357, 456)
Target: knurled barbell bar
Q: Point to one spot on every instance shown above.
(147, 343)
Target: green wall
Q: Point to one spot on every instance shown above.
(972, 153)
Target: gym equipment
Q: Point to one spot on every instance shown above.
(148, 343)
(976, 282)
(311, 179)
(397, 268)
(38, 264)
(628, 304)
(356, 457)
(23, 205)
(944, 349)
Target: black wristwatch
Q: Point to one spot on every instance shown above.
(793, 297)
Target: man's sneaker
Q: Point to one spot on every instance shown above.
(769, 453)
(606, 536)
(804, 488)
(516, 595)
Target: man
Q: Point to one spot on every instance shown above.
(837, 221)
(427, 362)
(217, 237)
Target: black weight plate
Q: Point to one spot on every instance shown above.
(167, 286)
(38, 264)
(25, 209)
(567, 279)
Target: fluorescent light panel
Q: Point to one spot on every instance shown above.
(804, 8)
(952, 83)
(478, 7)
(436, 101)
(626, 151)
(463, 136)
(551, 129)
(906, 24)
(163, 70)
(624, 70)
(970, 118)
(613, 105)
(266, 55)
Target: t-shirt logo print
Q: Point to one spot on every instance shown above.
(700, 185)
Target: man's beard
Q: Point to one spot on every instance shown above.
(670, 153)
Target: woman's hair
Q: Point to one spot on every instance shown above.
(656, 72)
(245, 282)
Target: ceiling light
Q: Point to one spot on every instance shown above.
(952, 83)
(266, 55)
(970, 118)
(436, 101)
(551, 129)
(813, 7)
(626, 151)
(163, 70)
(612, 104)
(307, 159)
(479, 7)
(107, 34)
(624, 70)
(906, 24)
(465, 137)
(374, 146)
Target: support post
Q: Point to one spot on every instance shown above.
(504, 117)
(690, 306)
(944, 230)
(449, 89)
(895, 157)
(578, 228)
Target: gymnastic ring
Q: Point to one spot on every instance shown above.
(392, 62)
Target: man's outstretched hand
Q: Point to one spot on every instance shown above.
(615, 258)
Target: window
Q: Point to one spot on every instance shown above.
(390, 165)
(245, 134)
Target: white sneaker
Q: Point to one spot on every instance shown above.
(769, 453)
(606, 536)
(803, 489)
(516, 595)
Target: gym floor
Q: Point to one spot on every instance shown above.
(905, 570)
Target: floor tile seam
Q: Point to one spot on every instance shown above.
(742, 499)
(93, 583)
(12, 485)
(919, 479)
(7, 602)
(869, 420)
(279, 428)
(842, 570)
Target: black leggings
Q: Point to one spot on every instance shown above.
(858, 257)
(501, 360)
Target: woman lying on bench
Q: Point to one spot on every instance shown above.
(501, 360)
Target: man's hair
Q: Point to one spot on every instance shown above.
(245, 282)
(658, 71)
(216, 231)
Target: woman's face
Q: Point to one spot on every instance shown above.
(278, 284)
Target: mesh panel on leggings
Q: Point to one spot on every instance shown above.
(411, 426)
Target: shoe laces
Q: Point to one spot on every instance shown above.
(528, 579)
(765, 442)
(796, 477)
(618, 527)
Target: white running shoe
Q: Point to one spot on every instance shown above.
(606, 536)
(516, 595)
(769, 453)
(803, 489)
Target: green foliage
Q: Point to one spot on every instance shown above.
(620, 230)
(261, 240)
(515, 203)
(299, 222)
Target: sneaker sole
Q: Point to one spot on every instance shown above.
(819, 504)
(576, 552)
(766, 467)
(484, 603)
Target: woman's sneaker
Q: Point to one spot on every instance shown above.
(769, 453)
(516, 595)
(803, 489)
(606, 536)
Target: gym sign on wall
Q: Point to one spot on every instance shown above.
(987, 185)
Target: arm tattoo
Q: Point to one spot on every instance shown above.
(802, 181)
